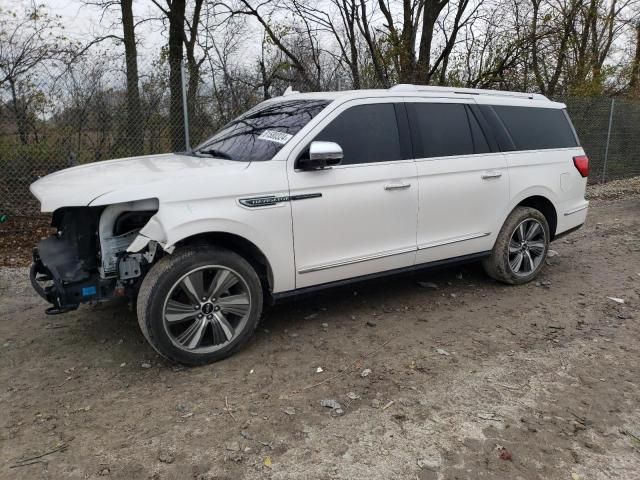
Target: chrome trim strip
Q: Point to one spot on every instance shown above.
(453, 240)
(571, 212)
(350, 261)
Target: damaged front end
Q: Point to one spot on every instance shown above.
(86, 260)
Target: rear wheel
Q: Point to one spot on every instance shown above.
(521, 247)
(199, 305)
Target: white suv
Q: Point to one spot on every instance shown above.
(308, 191)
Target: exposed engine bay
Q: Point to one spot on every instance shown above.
(86, 260)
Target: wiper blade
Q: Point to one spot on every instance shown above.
(214, 152)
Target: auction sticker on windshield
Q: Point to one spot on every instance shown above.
(275, 136)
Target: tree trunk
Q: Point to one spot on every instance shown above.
(176, 114)
(407, 52)
(363, 25)
(192, 62)
(432, 9)
(20, 114)
(535, 65)
(134, 127)
(350, 13)
(634, 83)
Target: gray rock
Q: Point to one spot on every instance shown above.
(335, 406)
(166, 456)
(232, 446)
(330, 404)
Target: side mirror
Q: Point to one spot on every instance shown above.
(322, 155)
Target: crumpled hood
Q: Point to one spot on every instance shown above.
(81, 185)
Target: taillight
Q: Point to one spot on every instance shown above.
(582, 164)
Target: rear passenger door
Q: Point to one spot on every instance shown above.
(359, 217)
(462, 179)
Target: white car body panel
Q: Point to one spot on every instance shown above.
(329, 231)
(358, 202)
(458, 206)
(458, 200)
(82, 185)
(358, 226)
(196, 195)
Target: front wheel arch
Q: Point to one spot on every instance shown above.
(238, 244)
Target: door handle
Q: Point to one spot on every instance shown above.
(397, 186)
(490, 175)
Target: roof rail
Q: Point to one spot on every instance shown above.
(407, 87)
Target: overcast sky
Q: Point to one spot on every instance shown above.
(83, 22)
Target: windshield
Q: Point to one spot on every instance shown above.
(261, 132)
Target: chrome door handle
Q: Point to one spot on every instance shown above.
(397, 186)
(489, 175)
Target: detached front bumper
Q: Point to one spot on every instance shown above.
(60, 277)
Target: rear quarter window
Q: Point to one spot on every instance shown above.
(534, 128)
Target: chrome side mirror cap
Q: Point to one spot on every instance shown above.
(322, 155)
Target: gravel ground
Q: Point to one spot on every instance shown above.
(615, 190)
(471, 379)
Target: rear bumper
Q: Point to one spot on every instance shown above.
(571, 217)
(567, 232)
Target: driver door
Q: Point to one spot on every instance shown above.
(359, 217)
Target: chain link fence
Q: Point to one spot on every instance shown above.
(609, 130)
(96, 124)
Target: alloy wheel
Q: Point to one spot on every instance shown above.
(206, 309)
(527, 247)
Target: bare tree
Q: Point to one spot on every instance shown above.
(183, 32)
(134, 124)
(29, 45)
(134, 129)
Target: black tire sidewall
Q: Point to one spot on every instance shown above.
(497, 265)
(179, 265)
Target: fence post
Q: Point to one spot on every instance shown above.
(183, 77)
(606, 148)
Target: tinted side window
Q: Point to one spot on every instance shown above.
(480, 144)
(440, 129)
(366, 133)
(537, 128)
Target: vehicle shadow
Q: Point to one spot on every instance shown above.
(375, 293)
(111, 332)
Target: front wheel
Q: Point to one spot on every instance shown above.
(199, 305)
(521, 247)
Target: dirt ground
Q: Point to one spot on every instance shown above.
(471, 379)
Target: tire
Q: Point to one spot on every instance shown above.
(502, 264)
(196, 331)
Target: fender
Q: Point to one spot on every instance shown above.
(174, 223)
(533, 191)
